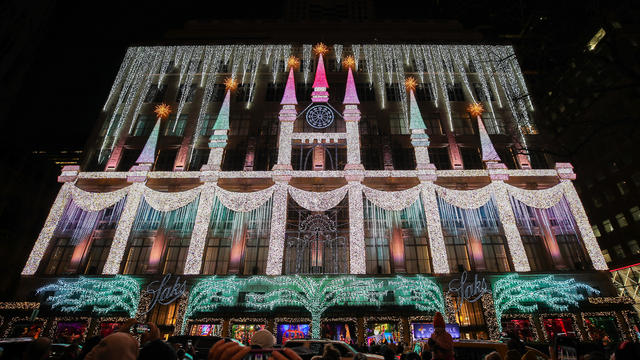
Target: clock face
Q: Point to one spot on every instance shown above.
(320, 116)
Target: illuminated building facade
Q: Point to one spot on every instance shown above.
(343, 191)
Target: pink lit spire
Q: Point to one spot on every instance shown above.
(321, 76)
(489, 153)
(289, 97)
(350, 94)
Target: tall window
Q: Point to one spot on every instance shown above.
(242, 93)
(622, 220)
(218, 93)
(424, 92)
(392, 92)
(416, 252)
(176, 255)
(365, 92)
(144, 125)
(155, 94)
(480, 94)
(471, 158)
(537, 253)
(176, 127)
(216, 256)
(377, 255)
(138, 256)
(97, 256)
(440, 157)
(255, 260)
(571, 251)
(455, 92)
(60, 257)
(462, 126)
(164, 315)
(190, 95)
(495, 253)
(434, 125)
(457, 254)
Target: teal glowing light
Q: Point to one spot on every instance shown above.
(513, 293)
(100, 296)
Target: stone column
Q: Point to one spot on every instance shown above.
(200, 229)
(439, 260)
(278, 226)
(357, 249)
(498, 174)
(123, 230)
(454, 152)
(42, 243)
(284, 138)
(566, 174)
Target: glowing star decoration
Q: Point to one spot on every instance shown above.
(320, 49)
(419, 291)
(162, 111)
(230, 84)
(514, 293)
(100, 296)
(316, 295)
(475, 109)
(293, 62)
(410, 83)
(349, 62)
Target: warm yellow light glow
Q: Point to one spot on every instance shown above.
(591, 45)
(410, 83)
(230, 84)
(320, 49)
(349, 62)
(163, 110)
(293, 62)
(475, 109)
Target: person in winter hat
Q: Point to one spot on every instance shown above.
(440, 342)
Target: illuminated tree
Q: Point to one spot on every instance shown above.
(316, 294)
(100, 296)
(513, 293)
(419, 291)
(212, 292)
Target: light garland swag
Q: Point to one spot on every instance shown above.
(391, 200)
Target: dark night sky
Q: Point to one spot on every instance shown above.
(77, 49)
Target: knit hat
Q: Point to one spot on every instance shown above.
(438, 320)
(442, 338)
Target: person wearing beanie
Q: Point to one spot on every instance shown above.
(440, 342)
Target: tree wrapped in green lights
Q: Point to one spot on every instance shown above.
(419, 291)
(100, 296)
(316, 295)
(212, 292)
(514, 293)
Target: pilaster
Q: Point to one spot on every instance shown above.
(434, 224)
(200, 229)
(278, 225)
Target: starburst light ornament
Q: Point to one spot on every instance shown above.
(475, 109)
(349, 62)
(410, 83)
(163, 110)
(320, 49)
(293, 62)
(230, 84)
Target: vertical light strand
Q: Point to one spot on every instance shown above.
(119, 243)
(199, 235)
(511, 232)
(580, 217)
(434, 228)
(306, 60)
(357, 252)
(278, 227)
(355, 48)
(128, 59)
(49, 227)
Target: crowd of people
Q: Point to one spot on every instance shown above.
(123, 345)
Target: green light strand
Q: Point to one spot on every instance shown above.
(514, 293)
(101, 296)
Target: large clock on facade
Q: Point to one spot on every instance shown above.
(320, 116)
